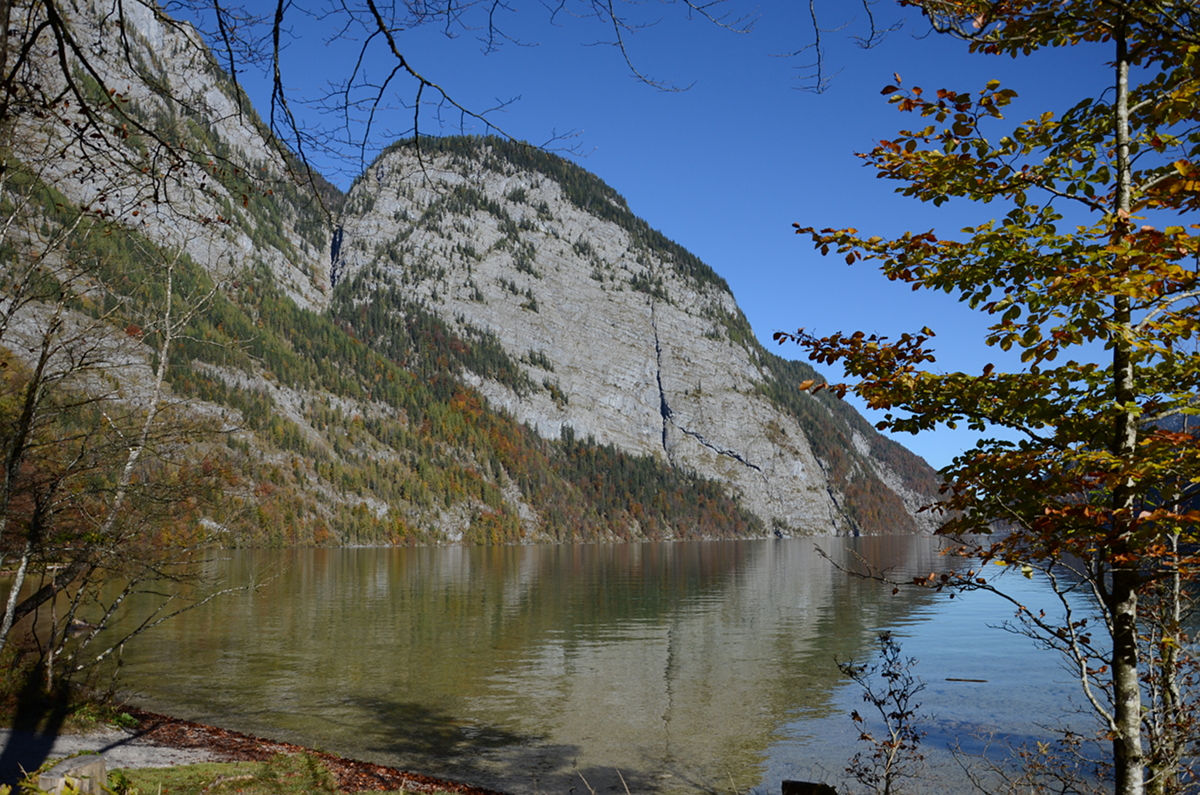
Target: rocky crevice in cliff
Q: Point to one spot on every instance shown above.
(668, 416)
(335, 254)
(664, 408)
(719, 450)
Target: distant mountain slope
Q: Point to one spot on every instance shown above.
(485, 347)
(203, 174)
(617, 332)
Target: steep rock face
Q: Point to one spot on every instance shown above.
(187, 161)
(481, 262)
(620, 334)
(176, 234)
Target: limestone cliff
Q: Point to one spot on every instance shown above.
(185, 159)
(621, 335)
(480, 343)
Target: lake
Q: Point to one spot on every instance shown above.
(688, 666)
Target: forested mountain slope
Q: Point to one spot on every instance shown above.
(483, 346)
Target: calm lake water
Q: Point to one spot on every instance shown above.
(698, 666)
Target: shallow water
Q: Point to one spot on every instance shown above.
(685, 666)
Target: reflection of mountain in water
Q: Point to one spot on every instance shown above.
(518, 668)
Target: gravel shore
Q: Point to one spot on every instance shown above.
(121, 748)
(163, 741)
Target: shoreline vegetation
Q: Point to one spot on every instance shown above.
(241, 763)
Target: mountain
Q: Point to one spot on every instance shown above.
(478, 343)
(615, 332)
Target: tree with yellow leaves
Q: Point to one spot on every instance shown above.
(1091, 275)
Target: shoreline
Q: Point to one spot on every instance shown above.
(164, 741)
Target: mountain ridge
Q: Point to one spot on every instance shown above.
(482, 344)
(517, 230)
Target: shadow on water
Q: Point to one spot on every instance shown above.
(37, 721)
(414, 729)
(435, 742)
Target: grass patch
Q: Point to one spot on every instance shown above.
(285, 774)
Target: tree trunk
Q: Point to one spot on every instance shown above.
(10, 607)
(1128, 760)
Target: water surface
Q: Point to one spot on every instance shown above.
(685, 666)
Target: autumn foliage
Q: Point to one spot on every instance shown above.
(1087, 273)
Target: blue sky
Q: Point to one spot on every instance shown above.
(725, 167)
